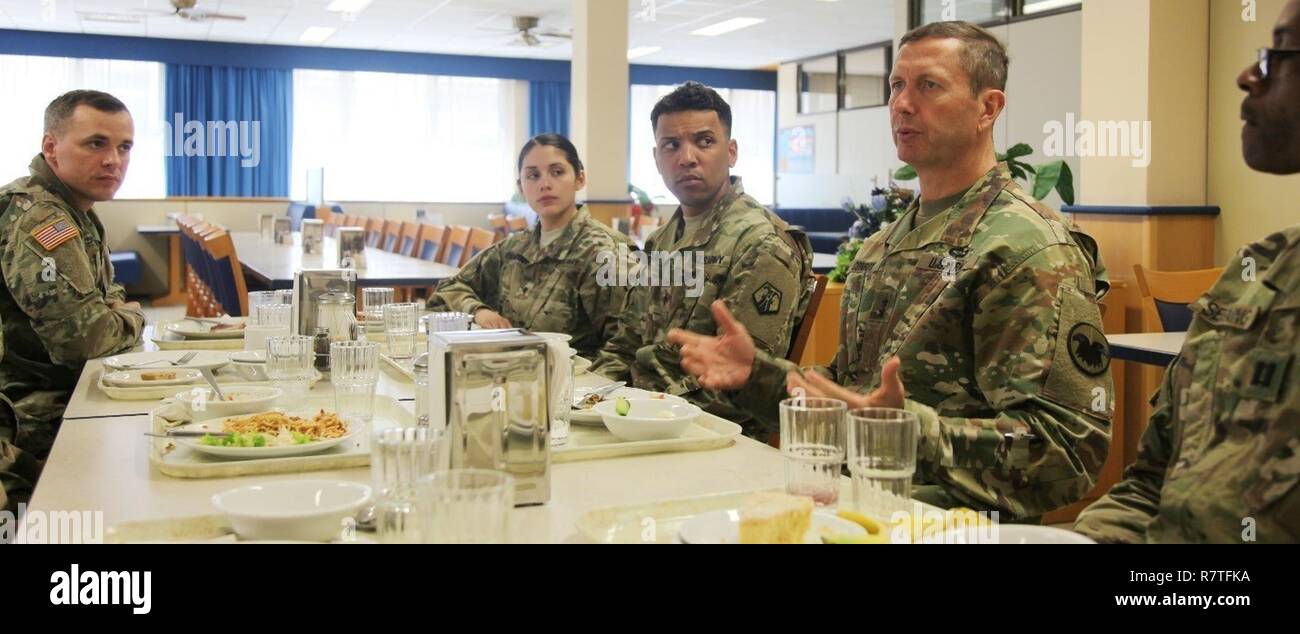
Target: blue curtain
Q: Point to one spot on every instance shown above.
(231, 130)
(548, 109)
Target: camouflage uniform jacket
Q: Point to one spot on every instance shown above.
(992, 308)
(1220, 457)
(553, 289)
(752, 260)
(55, 305)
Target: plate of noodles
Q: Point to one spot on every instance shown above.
(267, 435)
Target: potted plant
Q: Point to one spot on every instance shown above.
(887, 205)
(1047, 177)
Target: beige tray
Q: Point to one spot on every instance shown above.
(213, 529)
(225, 376)
(167, 340)
(652, 523)
(404, 368)
(182, 462)
(202, 529)
(595, 442)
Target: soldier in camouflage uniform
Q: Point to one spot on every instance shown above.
(1220, 458)
(737, 251)
(977, 310)
(547, 279)
(60, 306)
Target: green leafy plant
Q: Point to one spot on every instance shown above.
(1046, 177)
(844, 258)
(888, 204)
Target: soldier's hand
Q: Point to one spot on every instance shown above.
(490, 319)
(132, 306)
(718, 363)
(889, 394)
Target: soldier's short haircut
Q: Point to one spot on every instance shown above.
(692, 96)
(61, 109)
(983, 56)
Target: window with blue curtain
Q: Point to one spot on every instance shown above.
(231, 130)
(548, 109)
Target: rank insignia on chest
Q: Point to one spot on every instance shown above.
(1265, 376)
(767, 299)
(54, 233)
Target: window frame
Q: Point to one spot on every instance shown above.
(888, 46)
(839, 83)
(1015, 13)
(841, 76)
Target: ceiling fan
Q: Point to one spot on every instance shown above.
(526, 33)
(183, 9)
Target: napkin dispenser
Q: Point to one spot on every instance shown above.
(308, 287)
(488, 391)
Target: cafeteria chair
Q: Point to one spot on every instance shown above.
(429, 242)
(392, 235)
(803, 331)
(1166, 296)
(374, 232)
(499, 225)
(453, 247)
(479, 239)
(406, 240)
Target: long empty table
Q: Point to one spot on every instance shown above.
(1151, 348)
(275, 264)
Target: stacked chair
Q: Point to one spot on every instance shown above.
(214, 278)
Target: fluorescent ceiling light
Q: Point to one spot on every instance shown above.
(348, 6)
(734, 24)
(642, 51)
(316, 34)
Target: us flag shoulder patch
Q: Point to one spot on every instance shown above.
(54, 233)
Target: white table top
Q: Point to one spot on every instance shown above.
(87, 401)
(276, 264)
(103, 465)
(1160, 342)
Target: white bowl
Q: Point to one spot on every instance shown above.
(648, 419)
(308, 510)
(248, 356)
(246, 400)
(250, 371)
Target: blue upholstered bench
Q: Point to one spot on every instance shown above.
(826, 228)
(127, 267)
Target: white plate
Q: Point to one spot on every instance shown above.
(590, 417)
(203, 330)
(723, 527)
(581, 365)
(204, 359)
(248, 356)
(132, 378)
(248, 453)
(1013, 534)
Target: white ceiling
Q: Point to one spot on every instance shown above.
(793, 28)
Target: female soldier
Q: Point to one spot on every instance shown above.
(560, 276)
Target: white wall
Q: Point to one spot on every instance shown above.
(855, 148)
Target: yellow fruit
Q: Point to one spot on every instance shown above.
(873, 527)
